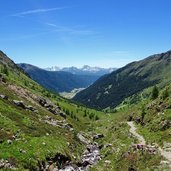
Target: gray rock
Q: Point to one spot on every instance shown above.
(98, 136)
(30, 108)
(5, 165)
(3, 96)
(19, 103)
(68, 126)
(41, 101)
(9, 141)
(62, 114)
(82, 139)
(107, 161)
(107, 145)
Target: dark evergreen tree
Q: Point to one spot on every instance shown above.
(143, 113)
(155, 92)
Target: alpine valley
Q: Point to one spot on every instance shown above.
(65, 81)
(122, 122)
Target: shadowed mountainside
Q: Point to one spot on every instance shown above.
(58, 81)
(110, 90)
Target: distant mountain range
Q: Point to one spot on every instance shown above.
(85, 70)
(59, 81)
(110, 90)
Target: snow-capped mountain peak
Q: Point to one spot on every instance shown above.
(85, 70)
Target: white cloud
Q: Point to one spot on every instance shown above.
(71, 30)
(35, 11)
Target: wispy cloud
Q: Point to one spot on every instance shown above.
(36, 11)
(76, 30)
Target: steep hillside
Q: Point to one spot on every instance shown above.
(37, 128)
(112, 89)
(58, 81)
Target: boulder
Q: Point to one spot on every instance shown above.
(3, 96)
(19, 103)
(41, 101)
(52, 110)
(9, 141)
(107, 161)
(68, 126)
(62, 114)
(98, 136)
(30, 108)
(82, 139)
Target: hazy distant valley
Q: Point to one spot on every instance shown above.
(66, 81)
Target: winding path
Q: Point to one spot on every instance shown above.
(164, 153)
(133, 131)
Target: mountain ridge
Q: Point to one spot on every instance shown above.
(110, 90)
(58, 81)
(85, 70)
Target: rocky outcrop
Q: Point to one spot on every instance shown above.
(82, 139)
(5, 165)
(63, 163)
(166, 124)
(146, 148)
(58, 123)
(37, 100)
(51, 107)
(89, 158)
(22, 105)
(91, 155)
(19, 104)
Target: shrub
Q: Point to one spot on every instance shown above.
(91, 116)
(97, 118)
(5, 70)
(165, 94)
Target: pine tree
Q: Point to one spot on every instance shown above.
(143, 113)
(155, 92)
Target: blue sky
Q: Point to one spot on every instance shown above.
(106, 33)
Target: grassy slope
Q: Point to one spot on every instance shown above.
(116, 132)
(38, 145)
(37, 138)
(157, 118)
(112, 89)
